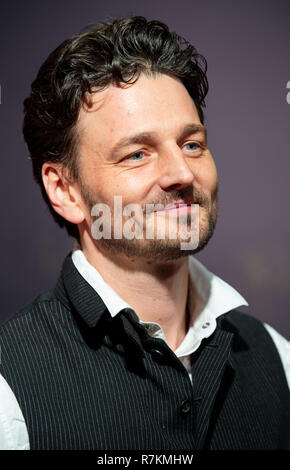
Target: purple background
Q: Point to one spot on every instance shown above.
(246, 44)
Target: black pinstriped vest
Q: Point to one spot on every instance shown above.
(85, 380)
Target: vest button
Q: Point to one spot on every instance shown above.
(185, 407)
(157, 355)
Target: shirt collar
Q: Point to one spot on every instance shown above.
(109, 296)
(215, 296)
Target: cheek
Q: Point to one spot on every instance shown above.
(133, 185)
(207, 176)
(96, 185)
(109, 184)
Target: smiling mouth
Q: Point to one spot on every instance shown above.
(177, 206)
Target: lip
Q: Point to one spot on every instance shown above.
(177, 206)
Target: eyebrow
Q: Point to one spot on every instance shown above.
(147, 137)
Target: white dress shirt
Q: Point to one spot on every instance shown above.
(209, 297)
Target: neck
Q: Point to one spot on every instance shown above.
(156, 291)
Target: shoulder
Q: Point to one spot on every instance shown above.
(248, 326)
(44, 314)
(253, 337)
(39, 302)
(242, 321)
(251, 326)
(251, 329)
(30, 339)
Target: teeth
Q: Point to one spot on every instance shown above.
(174, 206)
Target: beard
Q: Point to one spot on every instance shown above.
(165, 249)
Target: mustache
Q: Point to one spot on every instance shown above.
(189, 195)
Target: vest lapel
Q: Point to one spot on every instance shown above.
(94, 320)
(73, 290)
(208, 369)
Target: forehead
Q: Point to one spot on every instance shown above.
(160, 103)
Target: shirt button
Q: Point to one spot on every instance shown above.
(185, 407)
(157, 355)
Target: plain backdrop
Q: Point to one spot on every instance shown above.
(246, 44)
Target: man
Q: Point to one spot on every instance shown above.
(139, 346)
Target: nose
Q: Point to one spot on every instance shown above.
(175, 173)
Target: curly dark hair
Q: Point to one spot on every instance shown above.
(104, 54)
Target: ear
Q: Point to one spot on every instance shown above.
(62, 193)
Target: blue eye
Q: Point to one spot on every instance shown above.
(195, 144)
(134, 155)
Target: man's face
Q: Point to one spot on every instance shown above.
(142, 142)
